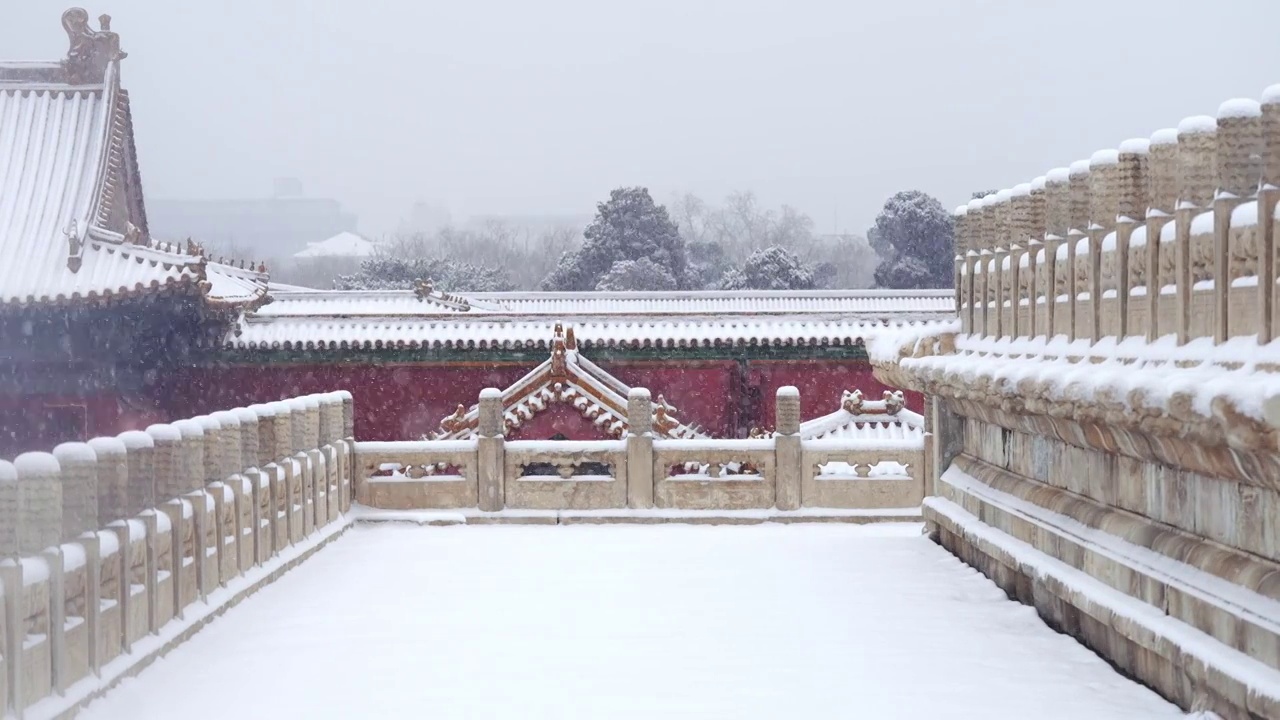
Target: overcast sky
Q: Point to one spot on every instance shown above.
(541, 106)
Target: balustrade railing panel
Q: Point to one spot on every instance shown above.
(1172, 235)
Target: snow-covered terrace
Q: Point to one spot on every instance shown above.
(771, 621)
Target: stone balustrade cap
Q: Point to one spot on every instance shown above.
(1102, 158)
(296, 404)
(345, 395)
(188, 428)
(1271, 95)
(1058, 176)
(164, 432)
(208, 422)
(262, 410)
(36, 463)
(226, 418)
(1078, 168)
(136, 440)
(1135, 146)
(961, 211)
(106, 446)
(1003, 196)
(490, 394)
(1240, 108)
(1021, 190)
(1039, 183)
(75, 452)
(280, 407)
(8, 473)
(975, 205)
(245, 415)
(1198, 125)
(1165, 136)
(639, 392)
(788, 391)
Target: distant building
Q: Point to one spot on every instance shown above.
(273, 227)
(342, 245)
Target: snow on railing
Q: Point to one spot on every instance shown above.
(862, 462)
(82, 598)
(1171, 235)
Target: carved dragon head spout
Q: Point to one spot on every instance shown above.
(90, 51)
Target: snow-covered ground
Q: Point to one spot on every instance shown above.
(771, 621)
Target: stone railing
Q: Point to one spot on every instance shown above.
(1171, 235)
(105, 543)
(639, 471)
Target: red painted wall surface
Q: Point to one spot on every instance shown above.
(821, 385)
(39, 422)
(559, 419)
(403, 402)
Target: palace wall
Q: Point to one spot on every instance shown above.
(407, 401)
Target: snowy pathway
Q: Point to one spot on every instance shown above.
(770, 621)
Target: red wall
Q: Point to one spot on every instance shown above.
(820, 383)
(39, 422)
(401, 402)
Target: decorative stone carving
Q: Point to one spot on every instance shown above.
(90, 51)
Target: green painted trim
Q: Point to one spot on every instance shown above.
(534, 355)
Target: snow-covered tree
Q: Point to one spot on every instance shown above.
(773, 268)
(627, 226)
(385, 272)
(642, 274)
(916, 239)
(708, 263)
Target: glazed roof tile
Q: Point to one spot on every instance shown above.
(73, 225)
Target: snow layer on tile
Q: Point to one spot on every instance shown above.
(56, 143)
(755, 622)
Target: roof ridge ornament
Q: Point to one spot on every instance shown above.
(90, 51)
(75, 246)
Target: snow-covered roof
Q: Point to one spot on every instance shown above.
(429, 318)
(567, 377)
(499, 332)
(871, 421)
(848, 304)
(73, 226)
(344, 244)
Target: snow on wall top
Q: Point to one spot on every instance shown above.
(1165, 136)
(1136, 146)
(1240, 108)
(1271, 95)
(8, 473)
(754, 302)
(104, 446)
(295, 334)
(1198, 124)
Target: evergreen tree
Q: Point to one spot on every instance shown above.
(627, 226)
(384, 272)
(919, 236)
(773, 268)
(642, 274)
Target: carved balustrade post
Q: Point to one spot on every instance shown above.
(490, 448)
(788, 456)
(1197, 160)
(639, 449)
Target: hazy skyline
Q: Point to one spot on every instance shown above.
(506, 107)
